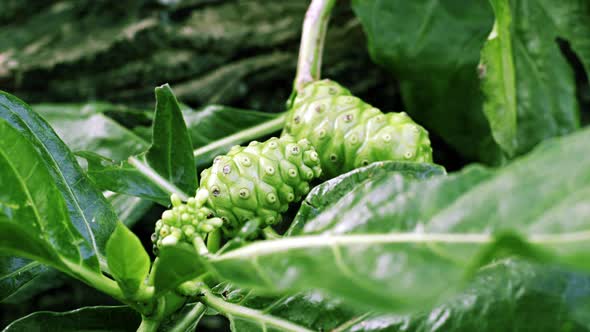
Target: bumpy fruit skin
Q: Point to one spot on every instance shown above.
(348, 133)
(259, 181)
(184, 222)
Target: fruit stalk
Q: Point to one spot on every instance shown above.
(313, 35)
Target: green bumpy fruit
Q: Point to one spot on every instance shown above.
(348, 133)
(184, 222)
(258, 181)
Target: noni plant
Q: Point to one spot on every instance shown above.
(347, 221)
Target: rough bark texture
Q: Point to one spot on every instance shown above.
(240, 53)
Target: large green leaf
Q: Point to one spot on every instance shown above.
(331, 191)
(88, 319)
(175, 265)
(89, 211)
(529, 86)
(432, 47)
(213, 124)
(166, 167)
(139, 175)
(171, 152)
(214, 129)
(499, 83)
(134, 177)
(128, 261)
(398, 244)
(34, 219)
(20, 278)
(307, 311)
(17, 273)
(85, 127)
(509, 295)
(129, 209)
(506, 296)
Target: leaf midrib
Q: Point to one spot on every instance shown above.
(20, 269)
(318, 241)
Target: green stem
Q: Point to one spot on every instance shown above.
(191, 319)
(145, 293)
(161, 182)
(148, 325)
(246, 135)
(96, 280)
(270, 233)
(313, 35)
(200, 246)
(234, 310)
(214, 241)
(103, 284)
(153, 270)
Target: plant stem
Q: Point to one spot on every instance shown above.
(163, 183)
(148, 325)
(265, 128)
(230, 309)
(190, 319)
(270, 233)
(200, 246)
(145, 293)
(313, 35)
(214, 241)
(100, 282)
(155, 265)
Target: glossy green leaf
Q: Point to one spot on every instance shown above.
(129, 209)
(81, 127)
(399, 244)
(87, 319)
(34, 219)
(137, 179)
(171, 152)
(529, 85)
(185, 319)
(34, 279)
(141, 179)
(167, 167)
(85, 127)
(128, 261)
(88, 210)
(17, 273)
(213, 124)
(309, 310)
(499, 83)
(506, 296)
(329, 192)
(433, 49)
(175, 265)
(509, 295)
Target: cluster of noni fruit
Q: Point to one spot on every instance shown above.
(327, 132)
